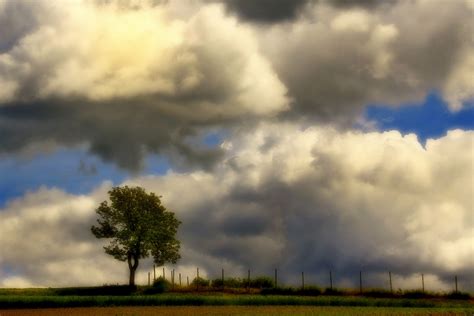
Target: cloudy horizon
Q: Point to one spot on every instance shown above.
(309, 135)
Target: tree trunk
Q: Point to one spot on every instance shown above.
(131, 281)
(132, 266)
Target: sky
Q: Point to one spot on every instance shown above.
(307, 135)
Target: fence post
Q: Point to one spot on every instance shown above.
(360, 281)
(154, 272)
(197, 279)
(390, 279)
(423, 283)
(172, 279)
(456, 282)
(180, 279)
(330, 279)
(276, 278)
(302, 280)
(248, 281)
(222, 279)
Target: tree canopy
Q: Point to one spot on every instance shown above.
(139, 226)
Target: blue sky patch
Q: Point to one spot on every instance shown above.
(73, 170)
(430, 119)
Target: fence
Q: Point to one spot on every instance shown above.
(331, 285)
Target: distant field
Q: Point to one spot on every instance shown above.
(237, 310)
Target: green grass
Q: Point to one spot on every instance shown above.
(113, 295)
(40, 301)
(237, 311)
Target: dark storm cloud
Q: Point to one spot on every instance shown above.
(276, 11)
(266, 11)
(368, 4)
(122, 136)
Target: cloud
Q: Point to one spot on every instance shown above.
(368, 4)
(278, 11)
(45, 242)
(143, 72)
(319, 199)
(122, 136)
(460, 86)
(266, 11)
(313, 200)
(336, 60)
(208, 60)
(127, 78)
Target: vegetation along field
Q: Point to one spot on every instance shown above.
(61, 302)
(237, 310)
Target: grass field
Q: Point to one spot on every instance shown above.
(174, 299)
(124, 301)
(237, 310)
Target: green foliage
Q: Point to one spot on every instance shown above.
(233, 283)
(310, 290)
(415, 294)
(458, 295)
(281, 290)
(209, 300)
(200, 282)
(95, 290)
(160, 285)
(377, 293)
(333, 291)
(139, 226)
(50, 301)
(217, 283)
(261, 282)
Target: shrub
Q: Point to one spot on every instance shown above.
(160, 285)
(415, 294)
(261, 282)
(96, 290)
(377, 293)
(333, 291)
(200, 282)
(217, 283)
(458, 295)
(279, 291)
(310, 290)
(233, 283)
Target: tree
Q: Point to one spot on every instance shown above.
(139, 226)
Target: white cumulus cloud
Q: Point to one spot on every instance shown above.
(313, 200)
